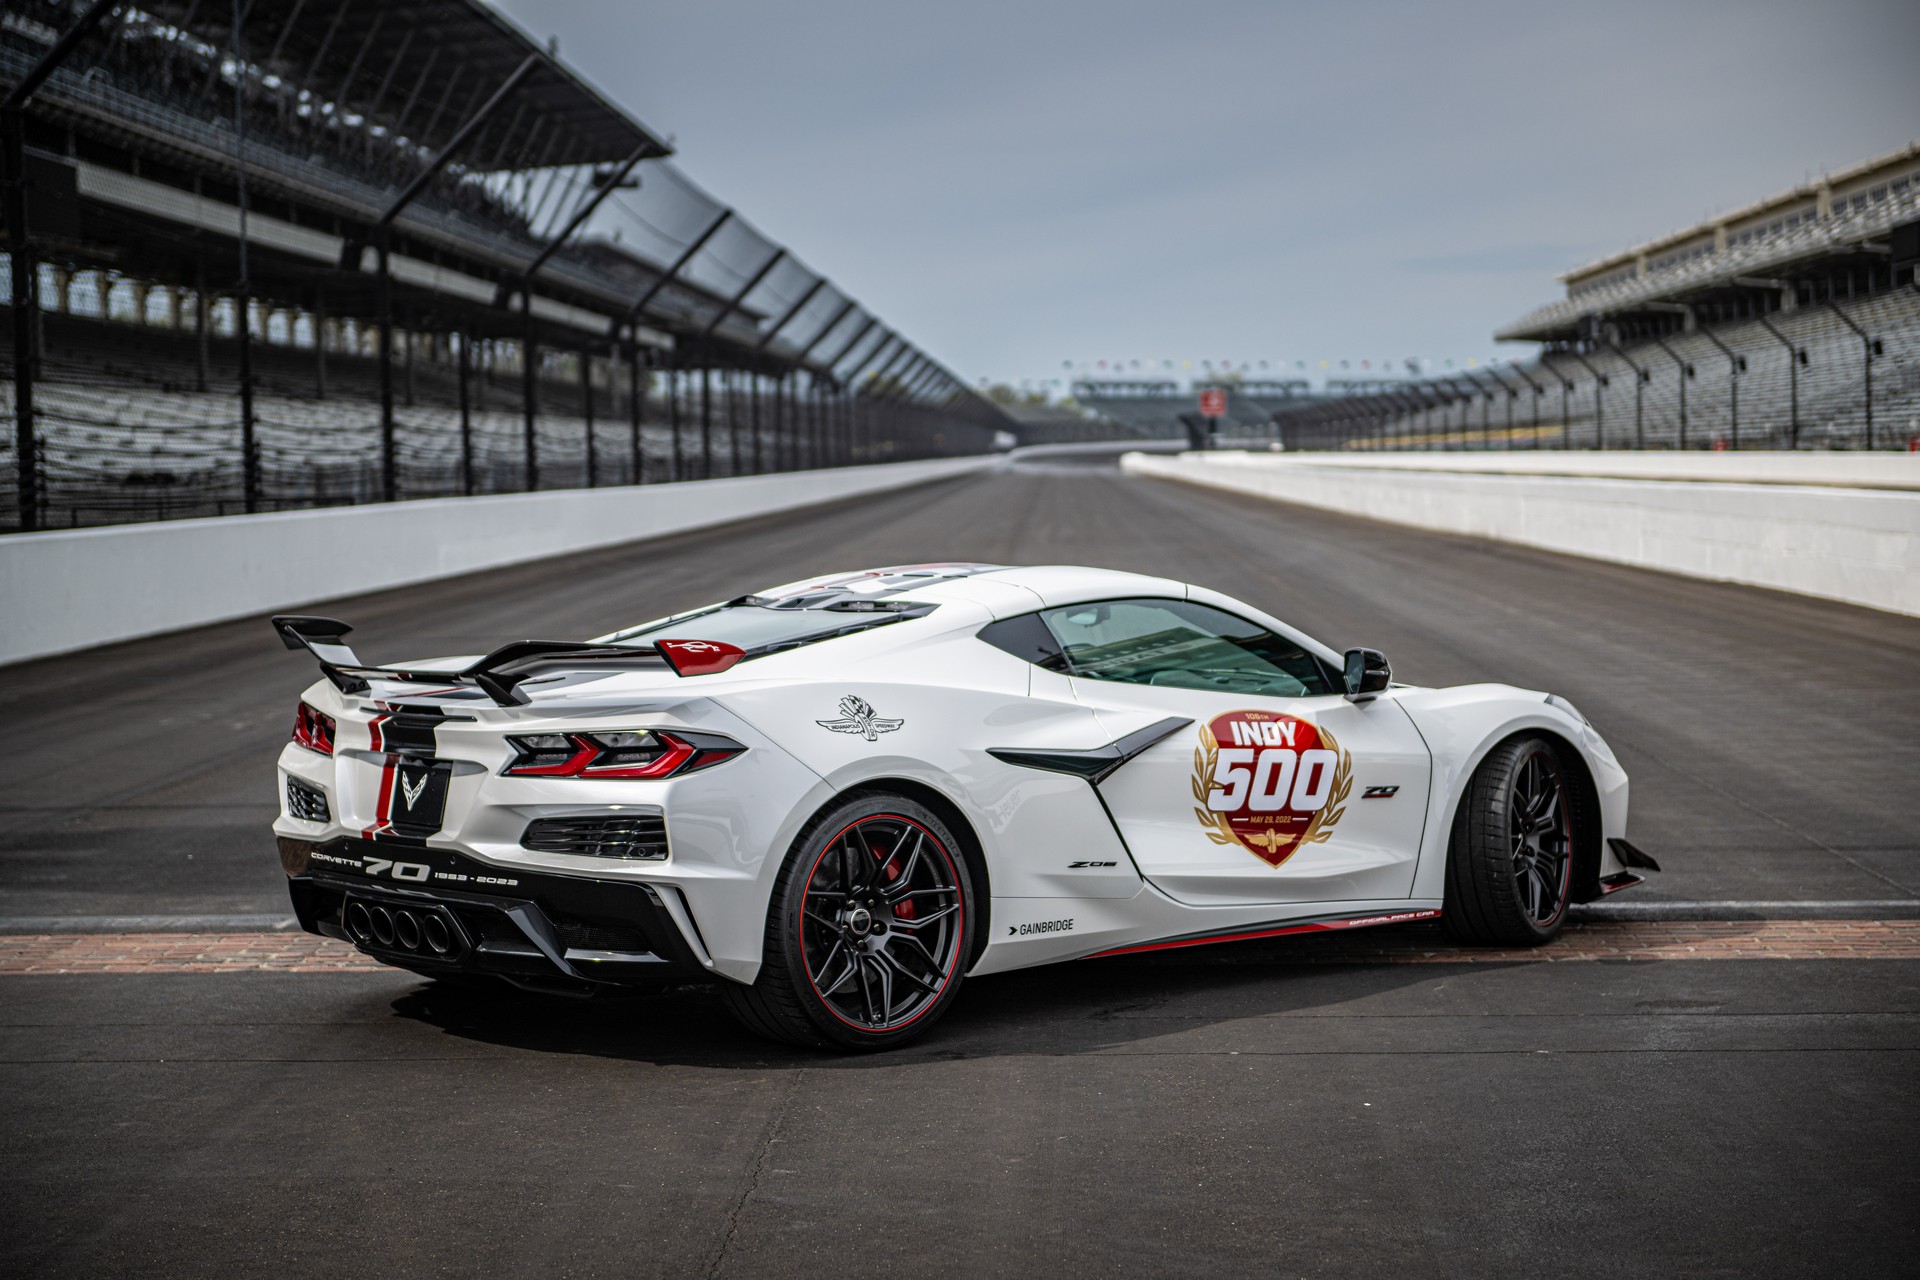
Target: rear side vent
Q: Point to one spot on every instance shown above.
(307, 803)
(641, 836)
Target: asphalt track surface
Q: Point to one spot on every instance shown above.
(1219, 1110)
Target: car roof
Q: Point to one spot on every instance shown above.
(1001, 589)
(979, 593)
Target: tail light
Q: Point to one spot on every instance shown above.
(617, 754)
(313, 730)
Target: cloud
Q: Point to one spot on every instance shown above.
(1009, 183)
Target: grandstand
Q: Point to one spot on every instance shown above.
(1042, 423)
(1791, 323)
(1153, 409)
(463, 270)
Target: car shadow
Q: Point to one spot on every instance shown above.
(1080, 1007)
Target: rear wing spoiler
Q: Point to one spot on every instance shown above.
(500, 674)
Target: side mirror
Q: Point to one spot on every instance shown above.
(1367, 674)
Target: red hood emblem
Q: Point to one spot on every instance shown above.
(699, 657)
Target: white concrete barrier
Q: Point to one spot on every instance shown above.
(1835, 538)
(70, 590)
(1823, 470)
(1093, 448)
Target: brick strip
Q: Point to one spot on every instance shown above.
(179, 953)
(1627, 940)
(1420, 944)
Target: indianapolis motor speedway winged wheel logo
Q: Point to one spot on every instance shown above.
(857, 716)
(1268, 782)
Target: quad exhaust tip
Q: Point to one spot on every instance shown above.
(424, 931)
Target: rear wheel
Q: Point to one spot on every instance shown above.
(1510, 864)
(868, 931)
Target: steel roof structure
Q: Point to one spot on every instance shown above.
(409, 163)
(1763, 266)
(414, 67)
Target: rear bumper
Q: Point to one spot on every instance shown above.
(435, 911)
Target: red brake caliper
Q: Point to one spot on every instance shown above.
(905, 911)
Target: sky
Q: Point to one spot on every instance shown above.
(1022, 186)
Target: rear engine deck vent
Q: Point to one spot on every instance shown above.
(640, 836)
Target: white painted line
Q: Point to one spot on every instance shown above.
(1828, 909)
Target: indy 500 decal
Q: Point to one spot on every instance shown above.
(1269, 782)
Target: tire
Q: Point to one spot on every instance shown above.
(870, 926)
(1510, 861)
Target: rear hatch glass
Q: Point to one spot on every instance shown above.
(767, 627)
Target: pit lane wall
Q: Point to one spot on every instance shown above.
(68, 590)
(1841, 526)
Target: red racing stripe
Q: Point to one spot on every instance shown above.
(383, 807)
(1314, 926)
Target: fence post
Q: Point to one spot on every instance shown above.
(243, 309)
(1600, 382)
(778, 428)
(249, 442)
(383, 307)
(730, 381)
(13, 123)
(706, 419)
(1735, 362)
(319, 344)
(753, 418)
(586, 403)
(25, 320)
(1793, 382)
(1866, 367)
(1685, 371)
(637, 396)
(466, 416)
(673, 417)
(529, 390)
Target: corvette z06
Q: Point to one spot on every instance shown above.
(841, 797)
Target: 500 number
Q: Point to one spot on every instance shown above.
(1266, 781)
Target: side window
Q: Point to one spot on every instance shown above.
(1178, 644)
(1026, 638)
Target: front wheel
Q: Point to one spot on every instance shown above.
(869, 929)
(1510, 862)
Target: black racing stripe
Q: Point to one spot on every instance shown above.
(409, 730)
(410, 735)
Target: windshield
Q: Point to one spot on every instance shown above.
(1183, 645)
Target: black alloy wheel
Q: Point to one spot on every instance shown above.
(881, 922)
(1510, 864)
(869, 929)
(1540, 825)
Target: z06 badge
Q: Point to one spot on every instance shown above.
(1268, 782)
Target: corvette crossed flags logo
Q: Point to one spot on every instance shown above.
(413, 790)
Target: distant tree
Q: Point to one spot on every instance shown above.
(878, 386)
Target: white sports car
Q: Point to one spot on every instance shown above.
(840, 796)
